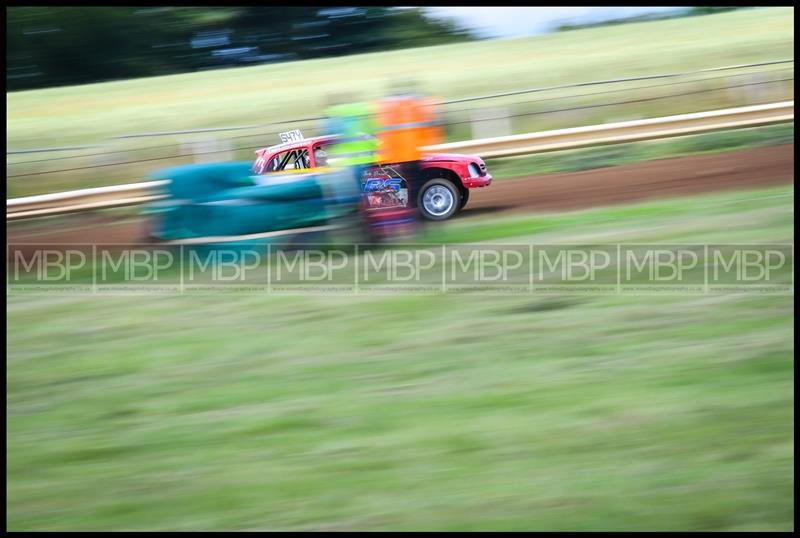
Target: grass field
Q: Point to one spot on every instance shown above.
(261, 94)
(443, 412)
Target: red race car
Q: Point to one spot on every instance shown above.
(445, 191)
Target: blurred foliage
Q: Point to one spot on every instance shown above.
(54, 46)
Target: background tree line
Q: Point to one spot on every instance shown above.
(55, 46)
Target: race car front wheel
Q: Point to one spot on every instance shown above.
(438, 199)
(464, 199)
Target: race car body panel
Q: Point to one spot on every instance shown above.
(470, 170)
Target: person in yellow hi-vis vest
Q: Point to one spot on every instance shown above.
(406, 122)
(355, 147)
(352, 151)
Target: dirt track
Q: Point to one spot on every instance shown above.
(737, 170)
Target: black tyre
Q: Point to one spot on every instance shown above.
(464, 199)
(438, 199)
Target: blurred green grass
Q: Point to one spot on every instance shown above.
(691, 219)
(443, 412)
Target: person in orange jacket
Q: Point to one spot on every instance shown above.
(406, 122)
